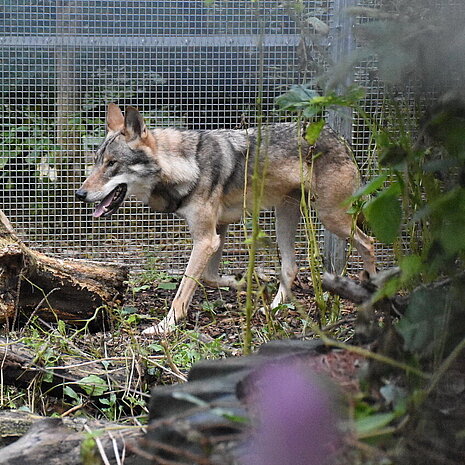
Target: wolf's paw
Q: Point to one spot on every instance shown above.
(223, 281)
(163, 328)
(283, 296)
(281, 299)
(150, 331)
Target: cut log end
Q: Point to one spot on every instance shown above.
(32, 283)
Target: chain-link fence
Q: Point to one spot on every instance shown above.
(191, 63)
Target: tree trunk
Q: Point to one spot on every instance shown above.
(32, 283)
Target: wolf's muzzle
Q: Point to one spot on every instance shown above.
(81, 194)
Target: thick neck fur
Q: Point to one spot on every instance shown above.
(176, 156)
(179, 170)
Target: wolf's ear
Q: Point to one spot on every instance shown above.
(134, 126)
(115, 118)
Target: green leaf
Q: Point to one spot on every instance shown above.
(167, 286)
(229, 415)
(375, 184)
(411, 266)
(93, 385)
(389, 289)
(70, 392)
(372, 425)
(48, 377)
(313, 131)
(128, 310)
(422, 320)
(144, 287)
(61, 327)
(451, 209)
(297, 98)
(384, 214)
(311, 111)
(89, 454)
(347, 99)
(156, 348)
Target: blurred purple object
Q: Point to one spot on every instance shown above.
(296, 423)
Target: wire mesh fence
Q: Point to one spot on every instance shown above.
(193, 64)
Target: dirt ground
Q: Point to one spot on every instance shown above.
(219, 312)
(219, 315)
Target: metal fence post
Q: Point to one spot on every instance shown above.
(342, 44)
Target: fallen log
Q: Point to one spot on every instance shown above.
(20, 366)
(57, 441)
(32, 283)
(346, 288)
(363, 293)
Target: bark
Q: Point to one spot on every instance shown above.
(56, 441)
(32, 283)
(20, 365)
(346, 288)
(363, 292)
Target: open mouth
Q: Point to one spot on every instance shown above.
(111, 202)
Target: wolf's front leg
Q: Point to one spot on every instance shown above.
(211, 276)
(206, 242)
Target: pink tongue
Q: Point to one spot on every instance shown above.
(100, 209)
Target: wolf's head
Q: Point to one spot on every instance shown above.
(123, 163)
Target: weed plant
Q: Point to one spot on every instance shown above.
(416, 205)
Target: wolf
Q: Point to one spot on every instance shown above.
(205, 177)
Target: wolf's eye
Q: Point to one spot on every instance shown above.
(111, 163)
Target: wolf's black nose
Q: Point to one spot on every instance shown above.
(81, 194)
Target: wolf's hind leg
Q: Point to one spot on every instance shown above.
(341, 223)
(211, 276)
(364, 245)
(287, 220)
(335, 183)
